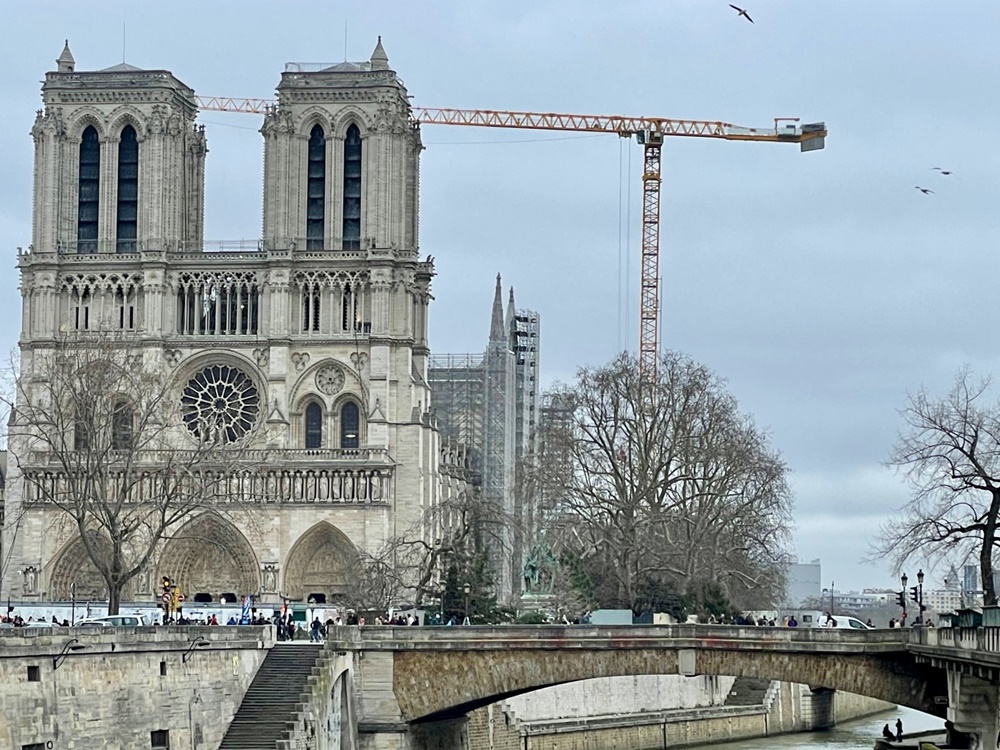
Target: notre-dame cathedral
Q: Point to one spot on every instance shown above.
(318, 334)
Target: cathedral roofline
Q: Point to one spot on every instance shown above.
(355, 74)
(117, 84)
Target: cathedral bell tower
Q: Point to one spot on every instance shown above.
(341, 159)
(119, 162)
(341, 183)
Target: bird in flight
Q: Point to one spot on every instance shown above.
(925, 191)
(741, 12)
(945, 172)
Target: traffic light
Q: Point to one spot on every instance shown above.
(901, 599)
(914, 595)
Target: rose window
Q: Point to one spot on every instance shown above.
(220, 403)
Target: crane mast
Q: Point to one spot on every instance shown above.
(649, 131)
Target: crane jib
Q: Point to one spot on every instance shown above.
(648, 131)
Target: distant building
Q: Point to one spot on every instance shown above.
(853, 600)
(803, 583)
(943, 600)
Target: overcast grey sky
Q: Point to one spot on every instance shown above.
(822, 286)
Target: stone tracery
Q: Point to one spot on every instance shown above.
(220, 403)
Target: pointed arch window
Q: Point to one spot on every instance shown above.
(350, 425)
(89, 191)
(128, 191)
(121, 426)
(316, 190)
(352, 189)
(314, 425)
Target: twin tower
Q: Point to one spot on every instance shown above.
(341, 161)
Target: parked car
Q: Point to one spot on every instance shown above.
(114, 621)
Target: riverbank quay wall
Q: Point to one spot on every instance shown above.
(629, 722)
(90, 687)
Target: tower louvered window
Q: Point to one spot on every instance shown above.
(128, 191)
(90, 192)
(350, 425)
(316, 190)
(352, 189)
(314, 426)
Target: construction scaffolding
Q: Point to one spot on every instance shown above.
(474, 403)
(458, 387)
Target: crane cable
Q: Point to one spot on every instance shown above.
(621, 192)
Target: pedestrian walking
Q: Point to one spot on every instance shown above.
(899, 730)
(315, 631)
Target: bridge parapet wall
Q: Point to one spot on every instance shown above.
(968, 639)
(540, 637)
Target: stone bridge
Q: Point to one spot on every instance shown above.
(422, 681)
(439, 673)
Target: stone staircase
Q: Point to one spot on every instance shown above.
(272, 701)
(748, 691)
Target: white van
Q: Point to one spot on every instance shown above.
(842, 622)
(114, 621)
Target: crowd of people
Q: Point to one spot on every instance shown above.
(19, 622)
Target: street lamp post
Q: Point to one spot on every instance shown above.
(467, 589)
(920, 593)
(902, 597)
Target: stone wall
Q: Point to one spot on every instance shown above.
(617, 695)
(326, 719)
(787, 708)
(88, 688)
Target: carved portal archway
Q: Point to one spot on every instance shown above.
(74, 574)
(210, 555)
(320, 562)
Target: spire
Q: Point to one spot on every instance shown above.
(65, 62)
(379, 60)
(496, 324)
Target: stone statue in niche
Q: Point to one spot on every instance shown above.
(270, 579)
(30, 580)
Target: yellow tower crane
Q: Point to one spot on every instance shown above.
(649, 131)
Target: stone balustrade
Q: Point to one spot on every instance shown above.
(320, 483)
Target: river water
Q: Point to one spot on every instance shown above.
(853, 735)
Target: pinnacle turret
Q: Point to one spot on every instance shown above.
(379, 59)
(65, 62)
(509, 320)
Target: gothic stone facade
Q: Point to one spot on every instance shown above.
(316, 339)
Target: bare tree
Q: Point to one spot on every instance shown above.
(375, 584)
(949, 451)
(665, 482)
(452, 532)
(95, 436)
